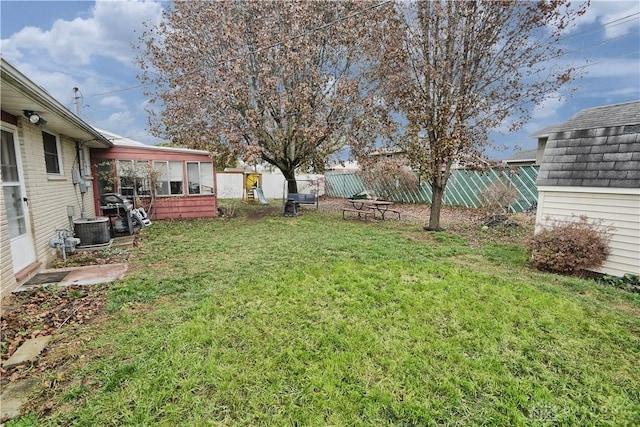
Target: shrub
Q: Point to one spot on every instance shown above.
(388, 177)
(569, 247)
(498, 196)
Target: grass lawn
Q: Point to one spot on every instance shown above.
(319, 321)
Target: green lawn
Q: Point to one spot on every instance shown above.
(319, 321)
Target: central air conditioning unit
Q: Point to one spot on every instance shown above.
(92, 231)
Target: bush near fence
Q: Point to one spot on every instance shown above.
(464, 188)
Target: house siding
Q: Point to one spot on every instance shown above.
(558, 203)
(178, 208)
(48, 197)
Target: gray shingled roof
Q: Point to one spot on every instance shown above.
(524, 155)
(598, 147)
(603, 117)
(543, 133)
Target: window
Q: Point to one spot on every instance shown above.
(170, 180)
(105, 174)
(133, 178)
(11, 187)
(200, 175)
(51, 153)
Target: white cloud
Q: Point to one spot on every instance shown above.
(116, 121)
(548, 107)
(113, 101)
(613, 68)
(605, 12)
(110, 30)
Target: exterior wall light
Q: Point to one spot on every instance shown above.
(34, 118)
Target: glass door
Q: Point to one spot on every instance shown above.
(16, 207)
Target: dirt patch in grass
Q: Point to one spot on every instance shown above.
(465, 222)
(42, 312)
(419, 237)
(258, 212)
(252, 211)
(626, 308)
(98, 257)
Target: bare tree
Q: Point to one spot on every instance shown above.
(274, 81)
(452, 71)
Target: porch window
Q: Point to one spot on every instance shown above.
(133, 177)
(200, 175)
(105, 174)
(170, 178)
(52, 155)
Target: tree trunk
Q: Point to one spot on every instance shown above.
(292, 184)
(437, 192)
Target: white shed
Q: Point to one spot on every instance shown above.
(591, 167)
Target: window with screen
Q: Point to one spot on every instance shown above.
(200, 177)
(170, 178)
(133, 176)
(51, 153)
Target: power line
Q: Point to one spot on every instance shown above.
(262, 48)
(608, 59)
(617, 22)
(583, 48)
(124, 89)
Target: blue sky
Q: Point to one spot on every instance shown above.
(87, 44)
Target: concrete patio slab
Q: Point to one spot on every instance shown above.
(15, 396)
(94, 274)
(88, 275)
(27, 352)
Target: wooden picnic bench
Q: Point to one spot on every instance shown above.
(383, 211)
(370, 206)
(361, 212)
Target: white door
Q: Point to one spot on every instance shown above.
(21, 241)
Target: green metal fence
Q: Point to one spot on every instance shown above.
(465, 188)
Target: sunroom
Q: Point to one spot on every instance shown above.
(168, 182)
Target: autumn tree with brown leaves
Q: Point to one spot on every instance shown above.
(452, 71)
(274, 81)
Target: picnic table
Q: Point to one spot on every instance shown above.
(364, 207)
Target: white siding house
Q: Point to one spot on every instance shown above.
(591, 167)
(45, 156)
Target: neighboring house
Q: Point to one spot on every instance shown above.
(184, 180)
(388, 153)
(542, 136)
(522, 158)
(45, 162)
(347, 166)
(591, 167)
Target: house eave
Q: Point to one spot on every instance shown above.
(595, 190)
(19, 93)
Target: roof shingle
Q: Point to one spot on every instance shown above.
(598, 147)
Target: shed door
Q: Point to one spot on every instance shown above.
(20, 239)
